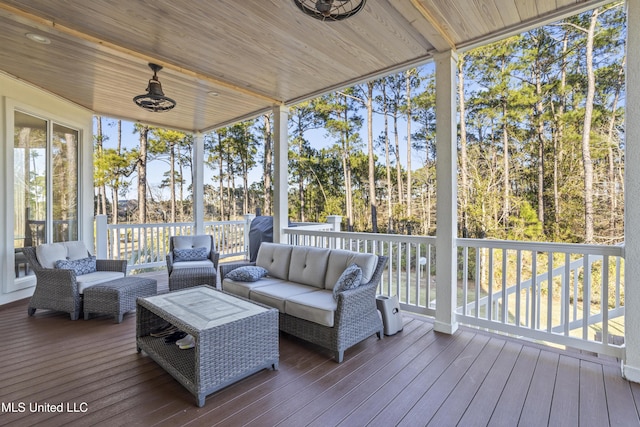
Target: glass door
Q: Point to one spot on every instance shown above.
(45, 196)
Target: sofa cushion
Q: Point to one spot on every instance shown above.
(308, 265)
(350, 278)
(243, 289)
(275, 258)
(95, 278)
(193, 264)
(340, 259)
(247, 273)
(190, 254)
(276, 294)
(80, 266)
(318, 307)
(192, 242)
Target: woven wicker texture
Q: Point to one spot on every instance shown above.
(117, 297)
(356, 317)
(222, 355)
(57, 289)
(181, 278)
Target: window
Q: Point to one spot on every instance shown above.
(45, 157)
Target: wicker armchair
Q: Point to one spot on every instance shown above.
(58, 289)
(185, 274)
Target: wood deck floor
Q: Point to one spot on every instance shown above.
(417, 377)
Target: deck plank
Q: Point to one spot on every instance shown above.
(416, 377)
(509, 407)
(451, 410)
(537, 404)
(593, 400)
(566, 399)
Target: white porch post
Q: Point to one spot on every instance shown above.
(198, 183)
(101, 237)
(280, 169)
(446, 206)
(631, 362)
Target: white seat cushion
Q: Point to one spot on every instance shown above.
(90, 279)
(318, 307)
(193, 264)
(276, 294)
(243, 289)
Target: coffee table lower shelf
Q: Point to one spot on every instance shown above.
(222, 355)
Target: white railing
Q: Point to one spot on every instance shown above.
(410, 270)
(503, 286)
(146, 245)
(567, 294)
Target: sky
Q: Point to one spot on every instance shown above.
(318, 139)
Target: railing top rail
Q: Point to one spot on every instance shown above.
(578, 248)
(379, 237)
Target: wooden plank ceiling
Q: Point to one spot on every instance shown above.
(228, 60)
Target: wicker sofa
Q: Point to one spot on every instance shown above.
(300, 283)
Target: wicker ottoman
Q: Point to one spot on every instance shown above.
(117, 296)
(181, 278)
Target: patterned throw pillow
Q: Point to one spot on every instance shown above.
(80, 266)
(195, 254)
(248, 273)
(349, 279)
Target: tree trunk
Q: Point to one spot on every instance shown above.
(541, 141)
(613, 205)
(220, 177)
(463, 148)
(505, 164)
(387, 157)
(372, 171)
(398, 165)
(172, 179)
(586, 133)
(102, 189)
(408, 82)
(116, 186)
(268, 161)
(142, 175)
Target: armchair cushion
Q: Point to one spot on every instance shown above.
(80, 266)
(190, 254)
(86, 280)
(190, 242)
(48, 253)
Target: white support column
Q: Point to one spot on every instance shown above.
(102, 238)
(281, 175)
(446, 207)
(631, 362)
(247, 226)
(198, 183)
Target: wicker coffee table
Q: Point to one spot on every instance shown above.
(234, 338)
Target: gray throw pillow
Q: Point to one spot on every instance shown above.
(349, 279)
(195, 254)
(247, 273)
(80, 266)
